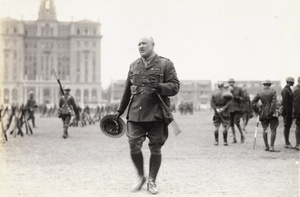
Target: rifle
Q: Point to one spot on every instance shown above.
(169, 115)
(255, 133)
(58, 81)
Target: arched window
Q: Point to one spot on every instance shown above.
(86, 95)
(6, 96)
(15, 95)
(78, 96)
(94, 95)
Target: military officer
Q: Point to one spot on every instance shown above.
(267, 112)
(148, 75)
(220, 105)
(296, 113)
(235, 109)
(287, 109)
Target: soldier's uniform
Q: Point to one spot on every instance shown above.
(235, 109)
(31, 104)
(267, 112)
(67, 109)
(296, 112)
(144, 113)
(221, 116)
(287, 110)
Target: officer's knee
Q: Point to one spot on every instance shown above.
(135, 147)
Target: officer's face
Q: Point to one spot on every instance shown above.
(146, 46)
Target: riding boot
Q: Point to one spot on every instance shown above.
(155, 161)
(225, 138)
(233, 133)
(265, 136)
(286, 133)
(138, 162)
(216, 137)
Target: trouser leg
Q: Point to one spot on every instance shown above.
(273, 127)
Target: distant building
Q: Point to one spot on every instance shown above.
(197, 92)
(31, 49)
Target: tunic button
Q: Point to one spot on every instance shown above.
(144, 77)
(140, 107)
(142, 84)
(142, 92)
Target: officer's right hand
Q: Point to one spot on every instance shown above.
(118, 114)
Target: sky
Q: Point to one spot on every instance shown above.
(205, 39)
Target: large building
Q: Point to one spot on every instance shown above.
(30, 50)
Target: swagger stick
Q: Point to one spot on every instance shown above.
(174, 123)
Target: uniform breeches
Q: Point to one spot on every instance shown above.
(235, 118)
(219, 119)
(272, 122)
(66, 120)
(157, 133)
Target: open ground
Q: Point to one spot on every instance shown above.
(89, 163)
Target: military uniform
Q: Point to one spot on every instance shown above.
(31, 104)
(221, 115)
(247, 110)
(67, 109)
(235, 110)
(296, 112)
(267, 113)
(287, 110)
(144, 112)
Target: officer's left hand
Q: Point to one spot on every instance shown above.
(153, 83)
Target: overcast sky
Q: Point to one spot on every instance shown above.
(205, 39)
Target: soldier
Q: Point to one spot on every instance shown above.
(287, 109)
(267, 112)
(67, 109)
(220, 105)
(235, 109)
(31, 104)
(296, 113)
(148, 75)
(247, 109)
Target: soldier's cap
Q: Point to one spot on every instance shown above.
(226, 85)
(31, 92)
(67, 88)
(112, 127)
(267, 82)
(231, 80)
(220, 84)
(290, 79)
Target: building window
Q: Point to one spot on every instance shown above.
(86, 95)
(15, 30)
(6, 96)
(78, 31)
(78, 95)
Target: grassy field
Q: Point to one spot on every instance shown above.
(89, 163)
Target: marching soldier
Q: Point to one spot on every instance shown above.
(287, 109)
(220, 105)
(296, 113)
(267, 112)
(67, 109)
(235, 109)
(30, 106)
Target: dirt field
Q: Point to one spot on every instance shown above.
(90, 164)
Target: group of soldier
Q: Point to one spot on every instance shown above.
(15, 118)
(231, 104)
